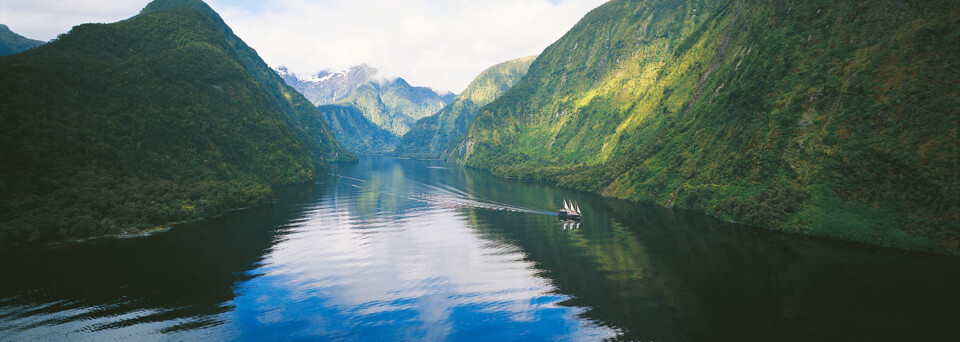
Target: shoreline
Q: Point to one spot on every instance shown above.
(938, 250)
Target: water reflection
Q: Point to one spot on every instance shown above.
(179, 281)
(658, 274)
(405, 250)
(376, 262)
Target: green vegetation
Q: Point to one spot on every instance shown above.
(394, 105)
(431, 136)
(163, 117)
(356, 132)
(827, 118)
(387, 108)
(301, 113)
(11, 43)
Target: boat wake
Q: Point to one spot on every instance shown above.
(446, 196)
(455, 198)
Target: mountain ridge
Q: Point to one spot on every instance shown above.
(161, 120)
(389, 105)
(328, 87)
(819, 118)
(300, 111)
(430, 137)
(11, 42)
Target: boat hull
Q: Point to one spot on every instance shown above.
(566, 216)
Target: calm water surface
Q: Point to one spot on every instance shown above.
(407, 250)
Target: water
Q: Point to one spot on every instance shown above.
(407, 250)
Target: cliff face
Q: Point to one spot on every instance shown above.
(827, 118)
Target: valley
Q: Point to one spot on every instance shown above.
(657, 170)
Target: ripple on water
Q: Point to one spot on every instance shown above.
(406, 269)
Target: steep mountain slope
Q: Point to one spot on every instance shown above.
(388, 108)
(327, 87)
(430, 136)
(11, 43)
(164, 117)
(395, 105)
(355, 131)
(301, 113)
(828, 118)
(389, 105)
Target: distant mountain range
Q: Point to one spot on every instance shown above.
(327, 87)
(391, 105)
(165, 117)
(11, 43)
(431, 136)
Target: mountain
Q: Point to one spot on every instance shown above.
(302, 114)
(828, 118)
(390, 105)
(447, 97)
(327, 87)
(394, 105)
(356, 132)
(11, 43)
(430, 136)
(166, 116)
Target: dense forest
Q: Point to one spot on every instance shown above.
(827, 118)
(164, 117)
(431, 136)
(11, 43)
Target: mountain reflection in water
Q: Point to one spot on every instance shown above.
(407, 250)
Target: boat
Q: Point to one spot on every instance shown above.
(570, 211)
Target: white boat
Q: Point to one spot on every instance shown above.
(570, 211)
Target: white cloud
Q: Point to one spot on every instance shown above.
(438, 43)
(45, 19)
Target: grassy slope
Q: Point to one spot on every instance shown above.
(430, 136)
(159, 120)
(835, 119)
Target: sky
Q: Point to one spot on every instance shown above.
(441, 44)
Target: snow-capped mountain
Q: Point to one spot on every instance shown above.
(368, 113)
(327, 87)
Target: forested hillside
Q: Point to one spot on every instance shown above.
(395, 105)
(828, 118)
(430, 137)
(302, 114)
(356, 132)
(11, 43)
(163, 117)
(387, 108)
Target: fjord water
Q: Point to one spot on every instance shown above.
(409, 250)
